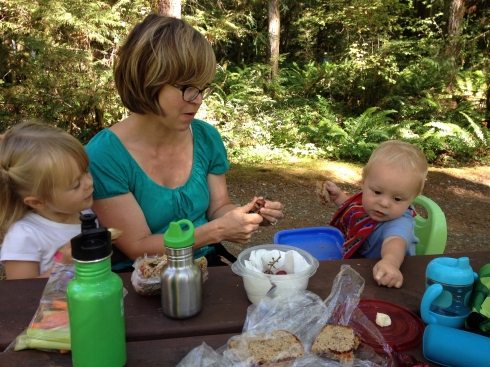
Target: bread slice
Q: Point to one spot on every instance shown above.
(336, 342)
(322, 192)
(275, 348)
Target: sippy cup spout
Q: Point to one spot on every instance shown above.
(463, 263)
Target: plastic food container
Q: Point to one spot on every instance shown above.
(258, 284)
(324, 243)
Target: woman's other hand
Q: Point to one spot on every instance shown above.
(271, 211)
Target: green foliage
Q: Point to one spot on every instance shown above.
(59, 62)
(351, 75)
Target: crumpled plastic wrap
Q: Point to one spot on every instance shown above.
(146, 274)
(49, 329)
(304, 314)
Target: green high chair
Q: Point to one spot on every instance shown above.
(431, 231)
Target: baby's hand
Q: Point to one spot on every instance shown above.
(334, 191)
(385, 273)
(63, 255)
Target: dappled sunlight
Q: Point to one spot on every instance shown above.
(468, 193)
(477, 175)
(340, 172)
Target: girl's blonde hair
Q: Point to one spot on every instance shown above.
(34, 159)
(402, 155)
(161, 50)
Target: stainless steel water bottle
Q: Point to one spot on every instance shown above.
(95, 301)
(181, 278)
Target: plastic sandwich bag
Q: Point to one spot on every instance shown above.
(304, 314)
(146, 274)
(203, 356)
(49, 328)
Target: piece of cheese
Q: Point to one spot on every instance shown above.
(383, 319)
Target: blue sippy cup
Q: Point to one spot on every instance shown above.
(449, 284)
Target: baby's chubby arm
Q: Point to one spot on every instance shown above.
(387, 271)
(337, 196)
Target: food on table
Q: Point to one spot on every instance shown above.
(115, 234)
(272, 264)
(151, 266)
(336, 342)
(383, 319)
(48, 330)
(267, 349)
(322, 192)
(146, 275)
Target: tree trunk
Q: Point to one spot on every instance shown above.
(170, 8)
(454, 11)
(274, 30)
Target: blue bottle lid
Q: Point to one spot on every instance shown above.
(451, 271)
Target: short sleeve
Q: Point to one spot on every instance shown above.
(211, 147)
(21, 243)
(109, 165)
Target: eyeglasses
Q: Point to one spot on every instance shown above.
(190, 93)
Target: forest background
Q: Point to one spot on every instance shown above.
(316, 82)
(313, 78)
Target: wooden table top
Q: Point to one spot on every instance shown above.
(224, 304)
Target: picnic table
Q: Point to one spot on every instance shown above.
(153, 339)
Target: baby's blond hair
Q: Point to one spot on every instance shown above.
(400, 155)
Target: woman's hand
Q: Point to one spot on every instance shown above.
(271, 211)
(239, 225)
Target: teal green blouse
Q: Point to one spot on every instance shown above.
(115, 172)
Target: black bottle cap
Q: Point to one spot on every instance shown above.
(93, 243)
(88, 221)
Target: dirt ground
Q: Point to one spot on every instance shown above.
(462, 193)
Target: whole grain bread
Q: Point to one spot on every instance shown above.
(275, 348)
(336, 342)
(322, 192)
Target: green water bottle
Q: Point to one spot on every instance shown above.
(95, 301)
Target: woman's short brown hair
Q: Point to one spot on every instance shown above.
(161, 50)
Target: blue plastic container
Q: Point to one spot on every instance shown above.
(454, 347)
(323, 243)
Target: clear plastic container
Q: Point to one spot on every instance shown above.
(258, 284)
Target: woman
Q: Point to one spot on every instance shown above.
(161, 164)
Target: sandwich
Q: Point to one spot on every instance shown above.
(276, 348)
(322, 192)
(336, 342)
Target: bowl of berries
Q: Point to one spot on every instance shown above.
(263, 267)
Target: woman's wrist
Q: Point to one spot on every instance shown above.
(208, 234)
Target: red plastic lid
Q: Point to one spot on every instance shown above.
(406, 329)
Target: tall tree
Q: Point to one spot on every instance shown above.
(274, 31)
(454, 11)
(170, 8)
